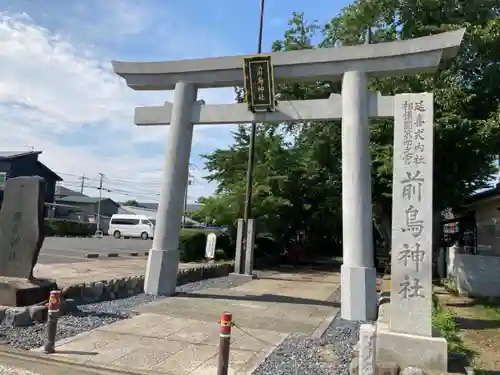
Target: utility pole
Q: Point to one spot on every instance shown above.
(83, 184)
(98, 231)
(251, 149)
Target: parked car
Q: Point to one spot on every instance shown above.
(133, 226)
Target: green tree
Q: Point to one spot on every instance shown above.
(132, 203)
(297, 181)
(466, 94)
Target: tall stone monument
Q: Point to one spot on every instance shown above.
(21, 238)
(353, 65)
(409, 339)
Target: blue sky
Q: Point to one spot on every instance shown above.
(58, 93)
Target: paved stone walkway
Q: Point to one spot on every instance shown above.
(179, 335)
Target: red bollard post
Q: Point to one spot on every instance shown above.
(226, 322)
(53, 314)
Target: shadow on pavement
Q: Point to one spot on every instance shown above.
(273, 298)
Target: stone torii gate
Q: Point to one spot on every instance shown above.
(353, 65)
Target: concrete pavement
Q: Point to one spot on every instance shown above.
(72, 250)
(179, 335)
(21, 362)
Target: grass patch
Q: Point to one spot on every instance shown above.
(488, 308)
(445, 321)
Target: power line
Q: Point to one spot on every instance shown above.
(126, 193)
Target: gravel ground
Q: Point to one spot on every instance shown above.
(89, 316)
(299, 355)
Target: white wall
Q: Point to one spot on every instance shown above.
(475, 275)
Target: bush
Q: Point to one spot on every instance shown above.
(226, 243)
(70, 228)
(220, 254)
(265, 244)
(192, 243)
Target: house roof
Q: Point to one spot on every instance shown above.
(49, 171)
(17, 154)
(64, 191)
(83, 199)
(6, 155)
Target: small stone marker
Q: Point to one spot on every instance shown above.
(239, 265)
(412, 215)
(21, 226)
(367, 364)
(210, 246)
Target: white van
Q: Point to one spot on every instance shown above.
(139, 226)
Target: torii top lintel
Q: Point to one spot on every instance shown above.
(405, 57)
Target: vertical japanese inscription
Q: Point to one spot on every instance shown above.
(259, 83)
(15, 237)
(412, 214)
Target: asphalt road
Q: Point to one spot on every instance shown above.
(72, 250)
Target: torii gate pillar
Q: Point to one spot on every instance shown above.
(358, 275)
(163, 261)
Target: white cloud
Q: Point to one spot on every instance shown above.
(67, 102)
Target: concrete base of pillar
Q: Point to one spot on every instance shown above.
(427, 353)
(358, 293)
(161, 272)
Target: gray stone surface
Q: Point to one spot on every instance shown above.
(249, 248)
(382, 59)
(163, 261)
(238, 266)
(359, 293)
(286, 110)
(412, 215)
(429, 353)
(411, 370)
(17, 317)
(21, 225)
(367, 350)
(38, 313)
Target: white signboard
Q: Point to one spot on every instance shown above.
(210, 246)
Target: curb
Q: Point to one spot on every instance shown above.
(323, 326)
(123, 287)
(113, 255)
